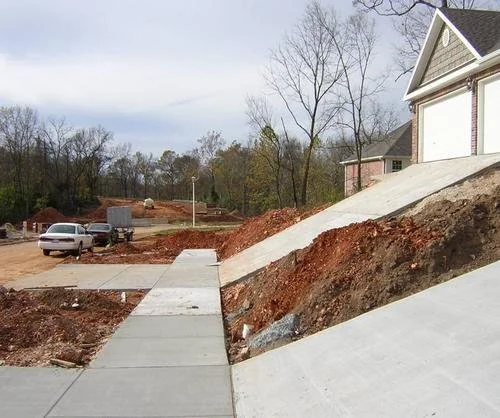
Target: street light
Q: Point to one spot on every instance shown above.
(193, 179)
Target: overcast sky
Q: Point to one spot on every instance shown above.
(159, 74)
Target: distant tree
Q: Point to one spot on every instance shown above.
(120, 170)
(166, 166)
(355, 41)
(18, 131)
(304, 70)
(210, 144)
(267, 141)
(186, 166)
(55, 135)
(232, 167)
(90, 154)
(145, 165)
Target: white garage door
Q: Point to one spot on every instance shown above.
(489, 99)
(445, 128)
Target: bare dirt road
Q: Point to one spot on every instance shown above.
(19, 259)
(16, 260)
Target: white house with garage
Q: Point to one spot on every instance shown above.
(454, 90)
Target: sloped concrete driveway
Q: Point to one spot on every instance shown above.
(388, 197)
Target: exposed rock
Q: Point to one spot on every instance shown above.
(285, 327)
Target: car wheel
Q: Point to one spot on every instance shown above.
(46, 252)
(78, 252)
(91, 248)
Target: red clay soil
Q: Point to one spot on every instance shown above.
(348, 271)
(226, 243)
(160, 251)
(261, 227)
(37, 326)
(174, 212)
(47, 215)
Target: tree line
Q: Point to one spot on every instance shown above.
(50, 163)
(323, 75)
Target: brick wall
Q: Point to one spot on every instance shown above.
(368, 169)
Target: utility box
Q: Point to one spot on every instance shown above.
(121, 218)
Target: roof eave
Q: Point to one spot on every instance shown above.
(460, 74)
(376, 158)
(425, 52)
(427, 49)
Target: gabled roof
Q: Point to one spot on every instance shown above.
(480, 27)
(479, 31)
(396, 144)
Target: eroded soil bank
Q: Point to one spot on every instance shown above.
(348, 271)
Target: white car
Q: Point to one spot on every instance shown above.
(67, 237)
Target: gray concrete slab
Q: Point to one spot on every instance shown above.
(178, 326)
(161, 352)
(76, 275)
(138, 276)
(95, 276)
(187, 275)
(387, 197)
(32, 392)
(180, 301)
(432, 354)
(196, 256)
(141, 392)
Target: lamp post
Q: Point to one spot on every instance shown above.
(193, 179)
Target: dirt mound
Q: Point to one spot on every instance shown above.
(160, 251)
(261, 227)
(225, 242)
(70, 325)
(48, 215)
(99, 214)
(348, 271)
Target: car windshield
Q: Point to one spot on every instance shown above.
(99, 227)
(61, 229)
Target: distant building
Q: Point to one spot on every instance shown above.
(454, 90)
(387, 156)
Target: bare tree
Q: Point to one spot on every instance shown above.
(210, 144)
(360, 86)
(145, 164)
(411, 19)
(267, 143)
(18, 130)
(120, 169)
(303, 71)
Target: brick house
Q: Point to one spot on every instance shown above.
(387, 156)
(454, 91)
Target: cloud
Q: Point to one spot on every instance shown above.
(157, 73)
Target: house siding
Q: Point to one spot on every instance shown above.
(368, 169)
(475, 78)
(444, 59)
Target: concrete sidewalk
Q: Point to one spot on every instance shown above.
(435, 353)
(168, 358)
(390, 196)
(95, 276)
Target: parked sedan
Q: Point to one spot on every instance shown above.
(66, 237)
(103, 233)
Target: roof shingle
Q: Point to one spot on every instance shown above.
(480, 27)
(396, 144)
